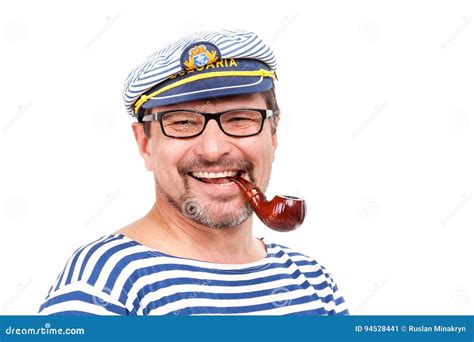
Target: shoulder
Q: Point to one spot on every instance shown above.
(314, 273)
(96, 272)
(89, 260)
(300, 259)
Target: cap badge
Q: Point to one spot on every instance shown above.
(199, 55)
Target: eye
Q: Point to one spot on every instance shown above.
(237, 119)
(183, 123)
(181, 119)
(241, 118)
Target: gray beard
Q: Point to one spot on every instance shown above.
(188, 205)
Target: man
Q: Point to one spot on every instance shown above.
(206, 111)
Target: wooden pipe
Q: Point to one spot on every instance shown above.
(282, 213)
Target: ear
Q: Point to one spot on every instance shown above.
(144, 144)
(274, 143)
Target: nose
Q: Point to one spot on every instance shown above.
(212, 144)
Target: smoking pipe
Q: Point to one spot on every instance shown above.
(282, 213)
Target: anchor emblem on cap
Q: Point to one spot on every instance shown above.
(199, 55)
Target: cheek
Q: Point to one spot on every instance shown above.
(166, 156)
(268, 142)
(269, 156)
(261, 152)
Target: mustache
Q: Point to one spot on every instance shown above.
(228, 163)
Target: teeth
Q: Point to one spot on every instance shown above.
(222, 174)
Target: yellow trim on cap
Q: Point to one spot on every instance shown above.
(261, 72)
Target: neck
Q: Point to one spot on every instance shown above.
(167, 230)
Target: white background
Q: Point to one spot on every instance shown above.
(377, 134)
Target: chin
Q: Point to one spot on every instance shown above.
(220, 213)
(217, 216)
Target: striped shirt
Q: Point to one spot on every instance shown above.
(116, 275)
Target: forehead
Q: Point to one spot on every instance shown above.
(256, 100)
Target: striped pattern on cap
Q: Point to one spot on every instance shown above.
(166, 61)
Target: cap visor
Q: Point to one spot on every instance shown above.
(211, 88)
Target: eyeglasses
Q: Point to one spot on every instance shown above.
(189, 123)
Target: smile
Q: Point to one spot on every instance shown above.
(215, 177)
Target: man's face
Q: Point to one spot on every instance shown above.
(178, 164)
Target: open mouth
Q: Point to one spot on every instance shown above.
(216, 177)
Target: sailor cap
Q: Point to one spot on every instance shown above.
(205, 65)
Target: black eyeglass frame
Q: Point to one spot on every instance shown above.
(158, 116)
